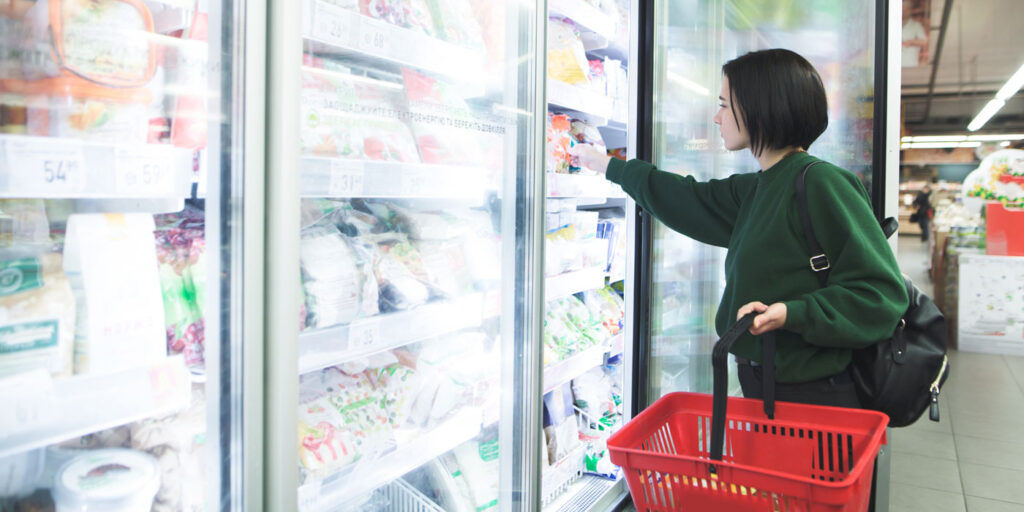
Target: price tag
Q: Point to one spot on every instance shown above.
(347, 178)
(375, 36)
(144, 172)
(332, 23)
(416, 181)
(45, 167)
(363, 333)
(28, 400)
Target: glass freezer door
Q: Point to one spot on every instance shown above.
(412, 138)
(118, 385)
(693, 39)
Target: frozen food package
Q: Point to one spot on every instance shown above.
(90, 119)
(559, 140)
(443, 225)
(560, 429)
(447, 131)
(337, 278)
(449, 484)
(37, 316)
(341, 419)
(478, 460)
(400, 384)
(456, 23)
(387, 139)
(177, 442)
(411, 14)
(182, 315)
(398, 267)
(567, 59)
(491, 17)
(111, 262)
(598, 78)
(445, 267)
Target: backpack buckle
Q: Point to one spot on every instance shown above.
(820, 263)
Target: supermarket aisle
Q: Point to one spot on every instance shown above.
(973, 460)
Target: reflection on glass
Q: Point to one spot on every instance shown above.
(693, 39)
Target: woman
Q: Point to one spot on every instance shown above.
(772, 102)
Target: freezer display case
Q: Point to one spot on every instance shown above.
(110, 374)
(585, 255)
(692, 40)
(413, 126)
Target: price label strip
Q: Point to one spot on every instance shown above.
(41, 167)
(333, 24)
(375, 37)
(347, 178)
(364, 333)
(144, 172)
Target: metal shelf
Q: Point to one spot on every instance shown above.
(47, 167)
(40, 411)
(557, 374)
(576, 185)
(336, 30)
(364, 477)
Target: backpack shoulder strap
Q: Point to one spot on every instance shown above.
(818, 261)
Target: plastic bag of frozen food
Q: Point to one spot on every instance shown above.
(398, 267)
(445, 266)
(182, 315)
(559, 335)
(456, 23)
(387, 139)
(560, 429)
(442, 121)
(559, 140)
(177, 442)
(567, 59)
(442, 225)
(400, 384)
(412, 14)
(338, 280)
(478, 460)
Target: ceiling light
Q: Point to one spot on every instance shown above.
(1004, 143)
(939, 138)
(1012, 85)
(986, 113)
(997, 136)
(939, 145)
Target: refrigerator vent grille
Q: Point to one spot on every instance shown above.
(588, 492)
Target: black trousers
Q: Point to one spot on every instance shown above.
(837, 390)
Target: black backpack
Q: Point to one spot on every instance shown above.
(900, 376)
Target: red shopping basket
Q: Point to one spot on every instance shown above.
(808, 458)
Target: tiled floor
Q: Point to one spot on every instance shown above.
(972, 460)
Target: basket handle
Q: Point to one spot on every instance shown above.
(720, 362)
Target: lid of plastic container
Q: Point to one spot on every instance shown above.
(106, 476)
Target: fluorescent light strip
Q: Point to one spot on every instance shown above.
(997, 136)
(986, 113)
(1012, 85)
(939, 145)
(988, 137)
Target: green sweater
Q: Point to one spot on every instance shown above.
(755, 216)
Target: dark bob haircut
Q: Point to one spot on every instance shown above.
(779, 96)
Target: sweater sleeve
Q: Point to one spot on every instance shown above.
(704, 211)
(864, 297)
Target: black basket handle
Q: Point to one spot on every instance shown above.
(720, 362)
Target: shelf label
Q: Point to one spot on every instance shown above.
(415, 181)
(332, 23)
(364, 333)
(375, 36)
(46, 167)
(167, 381)
(28, 400)
(144, 171)
(346, 178)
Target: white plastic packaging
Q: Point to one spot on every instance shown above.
(109, 480)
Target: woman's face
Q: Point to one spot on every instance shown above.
(729, 122)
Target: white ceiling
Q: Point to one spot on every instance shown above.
(982, 47)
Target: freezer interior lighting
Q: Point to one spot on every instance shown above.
(935, 138)
(1012, 85)
(986, 113)
(1004, 143)
(688, 84)
(988, 137)
(997, 136)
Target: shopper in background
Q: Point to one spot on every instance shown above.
(924, 212)
(773, 103)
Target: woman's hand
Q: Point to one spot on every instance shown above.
(591, 157)
(770, 317)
